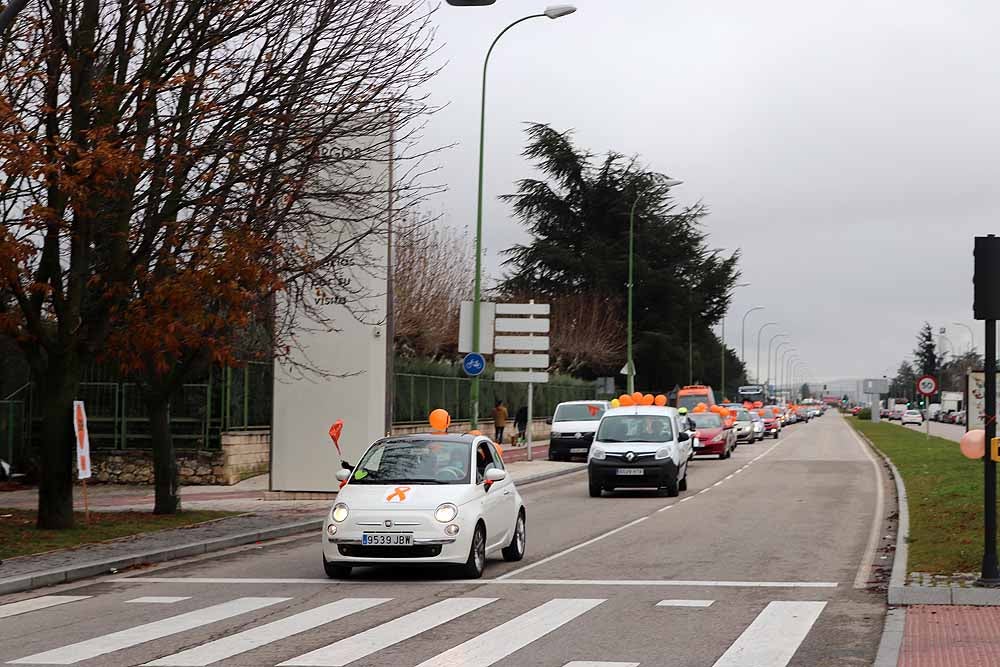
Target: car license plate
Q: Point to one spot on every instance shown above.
(579, 450)
(628, 471)
(387, 539)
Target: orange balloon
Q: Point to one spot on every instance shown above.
(776, 411)
(648, 399)
(726, 412)
(637, 398)
(717, 409)
(973, 444)
(626, 401)
(621, 399)
(761, 412)
(660, 400)
(700, 408)
(440, 420)
(475, 432)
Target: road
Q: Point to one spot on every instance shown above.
(762, 563)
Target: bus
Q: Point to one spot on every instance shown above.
(693, 394)
(752, 393)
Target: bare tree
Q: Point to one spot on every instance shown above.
(169, 166)
(588, 334)
(434, 267)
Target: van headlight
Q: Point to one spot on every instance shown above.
(445, 513)
(597, 453)
(339, 512)
(663, 453)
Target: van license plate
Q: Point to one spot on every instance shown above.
(579, 450)
(628, 471)
(387, 539)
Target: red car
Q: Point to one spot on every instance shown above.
(772, 425)
(714, 437)
(855, 410)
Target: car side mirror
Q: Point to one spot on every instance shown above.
(494, 475)
(549, 421)
(683, 436)
(343, 475)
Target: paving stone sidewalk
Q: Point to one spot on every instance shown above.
(951, 636)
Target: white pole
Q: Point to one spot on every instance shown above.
(531, 396)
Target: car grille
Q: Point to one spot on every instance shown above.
(417, 551)
(638, 457)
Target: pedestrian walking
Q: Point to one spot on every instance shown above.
(499, 420)
(521, 421)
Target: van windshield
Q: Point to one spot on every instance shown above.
(578, 412)
(636, 428)
(691, 400)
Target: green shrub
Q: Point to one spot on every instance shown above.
(866, 413)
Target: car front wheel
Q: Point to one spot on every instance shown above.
(515, 550)
(335, 571)
(595, 489)
(476, 563)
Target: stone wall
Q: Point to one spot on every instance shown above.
(243, 455)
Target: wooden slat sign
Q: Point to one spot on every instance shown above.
(521, 360)
(521, 325)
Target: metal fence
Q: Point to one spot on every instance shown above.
(230, 399)
(416, 395)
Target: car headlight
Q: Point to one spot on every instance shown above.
(719, 439)
(445, 513)
(598, 453)
(663, 453)
(339, 512)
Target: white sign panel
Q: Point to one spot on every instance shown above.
(876, 386)
(526, 343)
(521, 325)
(536, 309)
(82, 441)
(537, 377)
(521, 360)
(487, 313)
(350, 349)
(976, 407)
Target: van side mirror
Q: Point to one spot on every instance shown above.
(549, 421)
(683, 436)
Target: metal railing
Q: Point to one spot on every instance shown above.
(416, 395)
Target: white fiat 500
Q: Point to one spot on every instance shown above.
(416, 499)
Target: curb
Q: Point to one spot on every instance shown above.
(892, 638)
(95, 568)
(541, 477)
(902, 594)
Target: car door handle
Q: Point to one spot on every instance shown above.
(507, 492)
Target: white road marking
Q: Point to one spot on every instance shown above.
(43, 602)
(481, 582)
(685, 603)
(774, 636)
(157, 599)
(573, 548)
(667, 582)
(684, 500)
(496, 644)
(116, 641)
(382, 636)
(868, 559)
(591, 663)
(255, 637)
(718, 483)
(727, 478)
(664, 509)
(702, 491)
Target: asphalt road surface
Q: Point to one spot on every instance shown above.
(764, 562)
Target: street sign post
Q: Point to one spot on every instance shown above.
(874, 388)
(927, 386)
(524, 355)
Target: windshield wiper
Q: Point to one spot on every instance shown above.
(611, 440)
(415, 480)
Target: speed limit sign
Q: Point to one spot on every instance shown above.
(927, 385)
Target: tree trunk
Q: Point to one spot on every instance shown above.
(164, 459)
(56, 391)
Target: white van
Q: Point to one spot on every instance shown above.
(573, 426)
(640, 447)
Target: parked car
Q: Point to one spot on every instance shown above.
(418, 499)
(912, 417)
(743, 426)
(714, 438)
(772, 421)
(803, 414)
(640, 447)
(758, 425)
(959, 417)
(573, 426)
(896, 414)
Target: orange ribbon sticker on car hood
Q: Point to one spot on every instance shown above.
(399, 492)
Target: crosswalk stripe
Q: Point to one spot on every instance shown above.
(158, 599)
(774, 636)
(358, 646)
(24, 606)
(515, 634)
(592, 663)
(248, 640)
(116, 641)
(685, 603)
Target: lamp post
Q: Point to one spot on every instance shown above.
(743, 335)
(782, 365)
(629, 363)
(759, 332)
(788, 375)
(770, 343)
(722, 360)
(777, 347)
(553, 12)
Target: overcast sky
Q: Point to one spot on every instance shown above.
(849, 149)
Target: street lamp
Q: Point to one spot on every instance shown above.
(553, 12)
(722, 361)
(759, 331)
(767, 378)
(782, 365)
(630, 364)
(788, 374)
(743, 335)
(777, 347)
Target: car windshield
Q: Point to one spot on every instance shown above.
(706, 420)
(756, 417)
(635, 428)
(405, 461)
(578, 412)
(692, 400)
(742, 416)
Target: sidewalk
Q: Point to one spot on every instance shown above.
(951, 636)
(261, 520)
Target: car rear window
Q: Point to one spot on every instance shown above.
(706, 420)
